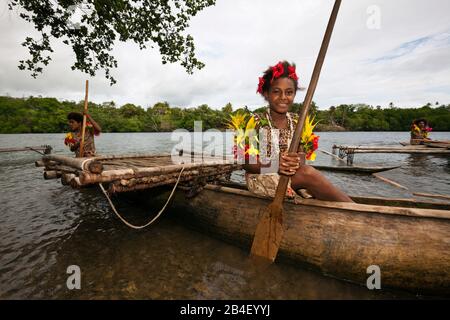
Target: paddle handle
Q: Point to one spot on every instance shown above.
(293, 148)
(83, 128)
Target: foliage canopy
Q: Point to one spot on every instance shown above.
(101, 22)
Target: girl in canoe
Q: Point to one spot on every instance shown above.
(419, 131)
(278, 86)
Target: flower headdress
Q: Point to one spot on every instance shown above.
(278, 70)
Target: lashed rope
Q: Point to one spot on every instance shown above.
(151, 221)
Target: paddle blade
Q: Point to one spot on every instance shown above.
(269, 232)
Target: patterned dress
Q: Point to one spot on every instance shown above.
(273, 142)
(89, 144)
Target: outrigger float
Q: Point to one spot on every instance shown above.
(408, 239)
(429, 149)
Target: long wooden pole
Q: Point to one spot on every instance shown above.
(332, 155)
(269, 231)
(83, 129)
(432, 195)
(389, 181)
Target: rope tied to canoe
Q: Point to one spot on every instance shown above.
(151, 221)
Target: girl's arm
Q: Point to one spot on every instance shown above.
(253, 168)
(94, 124)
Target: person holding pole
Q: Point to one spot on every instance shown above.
(269, 231)
(278, 86)
(74, 137)
(83, 129)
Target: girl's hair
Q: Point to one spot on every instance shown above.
(282, 69)
(417, 121)
(78, 117)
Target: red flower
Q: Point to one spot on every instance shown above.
(277, 70)
(315, 142)
(260, 85)
(292, 74)
(68, 141)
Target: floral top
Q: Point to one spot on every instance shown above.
(417, 133)
(73, 140)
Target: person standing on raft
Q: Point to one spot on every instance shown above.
(73, 138)
(278, 86)
(419, 131)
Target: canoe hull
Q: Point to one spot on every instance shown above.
(413, 253)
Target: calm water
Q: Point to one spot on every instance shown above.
(45, 227)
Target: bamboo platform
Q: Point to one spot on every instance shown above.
(124, 173)
(349, 151)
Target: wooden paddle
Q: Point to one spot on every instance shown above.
(270, 228)
(83, 128)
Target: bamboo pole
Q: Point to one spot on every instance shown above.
(431, 195)
(117, 187)
(383, 147)
(395, 184)
(38, 148)
(83, 129)
(83, 164)
(51, 174)
(418, 151)
(111, 175)
(39, 163)
(332, 155)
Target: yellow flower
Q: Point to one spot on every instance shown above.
(237, 121)
(240, 137)
(307, 133)
(252, 150)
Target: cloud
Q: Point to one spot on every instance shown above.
(405, 61)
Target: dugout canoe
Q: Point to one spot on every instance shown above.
(438, 144)
(354, 169)
(408, 239)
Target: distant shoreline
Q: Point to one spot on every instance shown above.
(49, 115)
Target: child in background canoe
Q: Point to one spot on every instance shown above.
(279, 86)
(419, 131)
(73, 138)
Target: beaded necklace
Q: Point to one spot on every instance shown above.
(275, 134)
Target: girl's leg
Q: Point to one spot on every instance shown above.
(320, 187)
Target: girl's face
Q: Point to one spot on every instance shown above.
(73, 125)
(281, 95)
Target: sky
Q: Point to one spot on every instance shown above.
(380, 52)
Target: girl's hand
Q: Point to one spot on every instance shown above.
(290, 163)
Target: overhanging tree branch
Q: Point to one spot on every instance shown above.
(101, 23)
